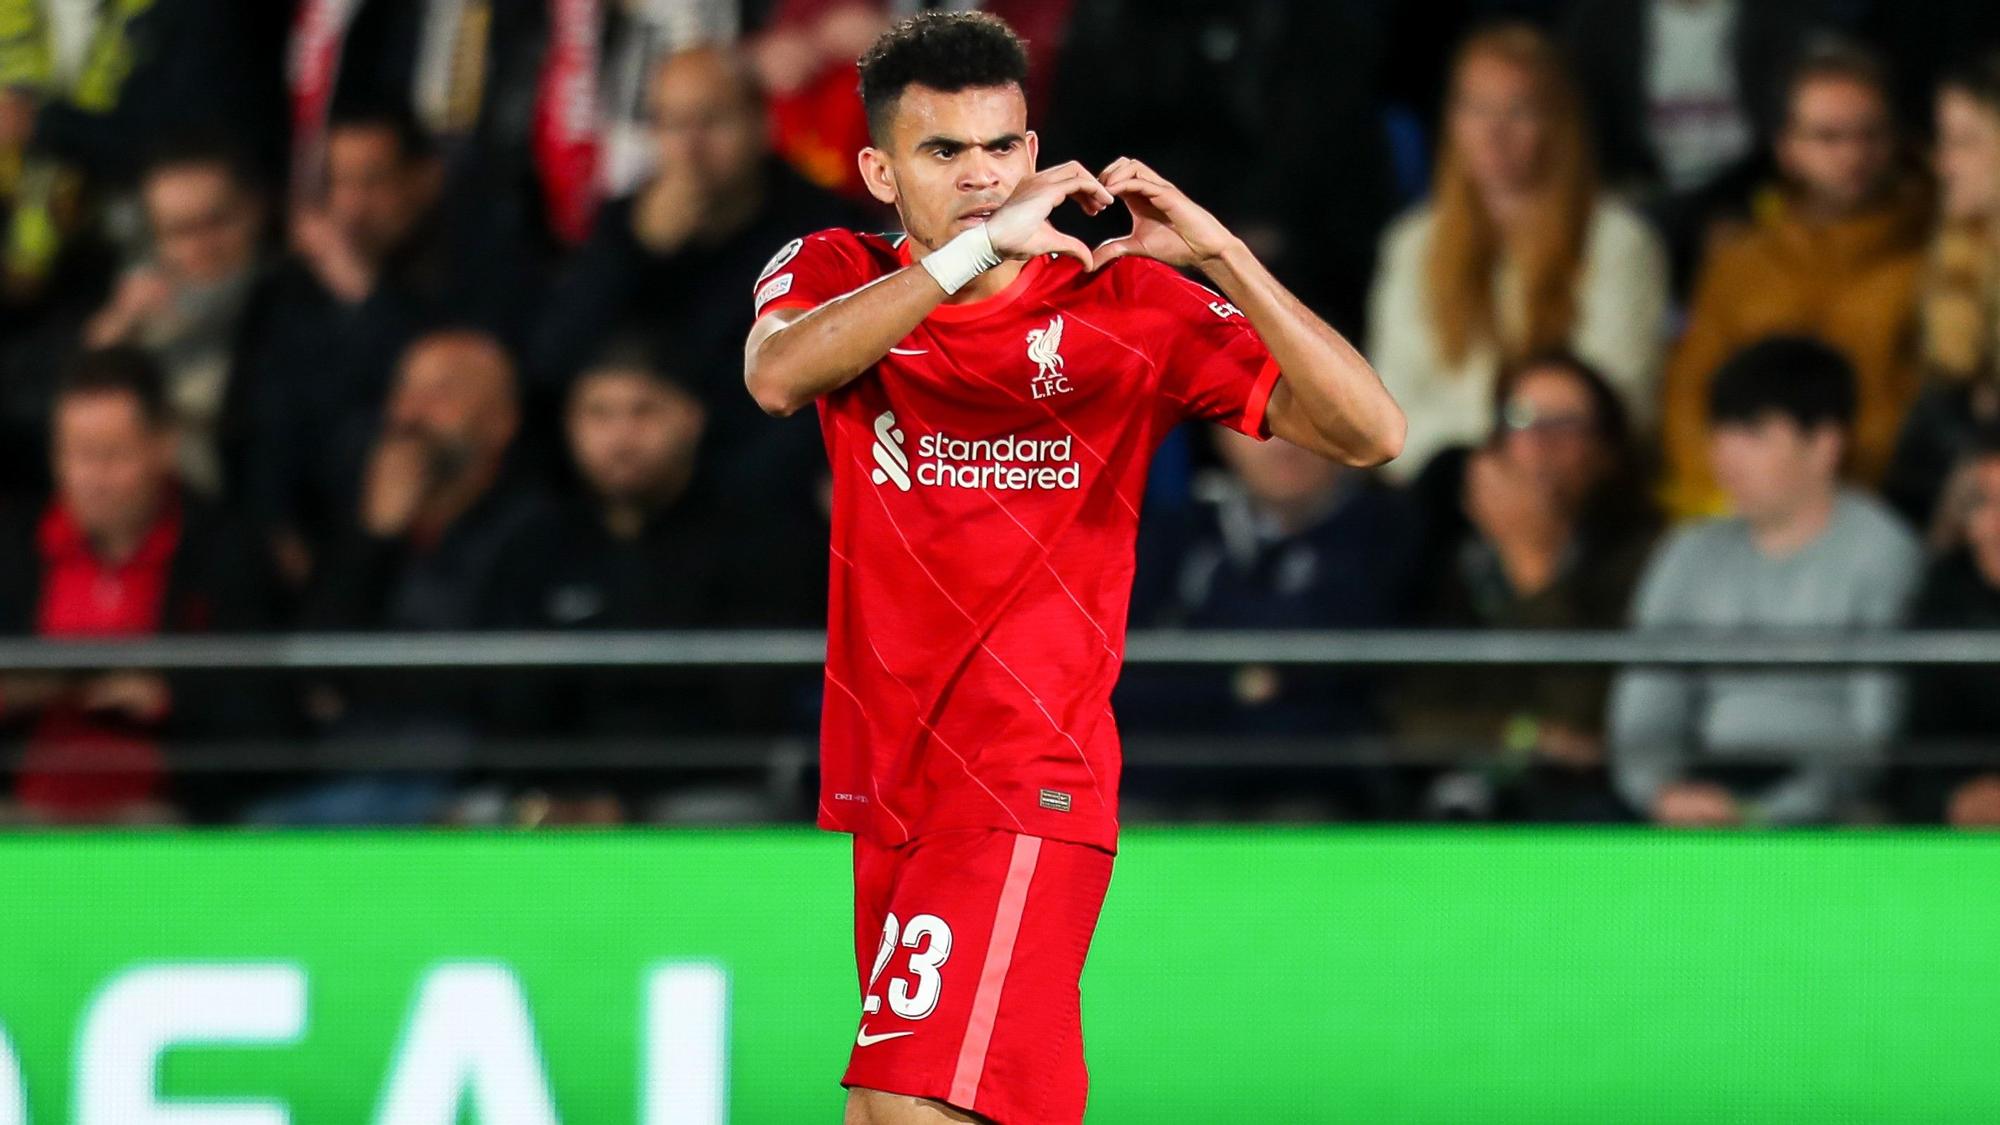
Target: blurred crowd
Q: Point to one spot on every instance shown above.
(427, 315)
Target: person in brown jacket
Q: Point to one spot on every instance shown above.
(1833, 252)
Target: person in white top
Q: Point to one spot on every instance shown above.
(1516, 253)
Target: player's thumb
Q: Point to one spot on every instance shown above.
(1060, 243)
(1112, 249)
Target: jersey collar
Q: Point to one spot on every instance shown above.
(974, 310)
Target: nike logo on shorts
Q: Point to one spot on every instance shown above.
(909, 351)
(863, 1039)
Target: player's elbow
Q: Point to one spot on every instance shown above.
(1379, 444)
(1389, 437)
(769, 389)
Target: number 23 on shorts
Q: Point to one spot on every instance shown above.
(928, 939)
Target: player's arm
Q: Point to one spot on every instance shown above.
(1329, 400)
(793, 356)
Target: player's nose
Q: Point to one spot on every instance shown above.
(981, 172)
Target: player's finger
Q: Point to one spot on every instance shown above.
(1110, 250)
(1092, 199)
(1078, 184)
(1090, 186)
(1056, 242)
(1136, 186)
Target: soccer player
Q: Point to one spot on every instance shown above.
(990, 391)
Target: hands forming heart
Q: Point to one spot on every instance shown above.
(1166, 225)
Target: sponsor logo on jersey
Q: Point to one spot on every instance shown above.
(1006, 463)
(891, 463)
(1224, 309)
(774, 289)
(1044, 347)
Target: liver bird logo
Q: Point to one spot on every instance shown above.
(1044, 347)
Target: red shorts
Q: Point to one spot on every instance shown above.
(970, 944)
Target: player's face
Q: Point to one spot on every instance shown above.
(629, 433)
(951, 159)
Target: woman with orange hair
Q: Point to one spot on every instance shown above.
(1515, 254)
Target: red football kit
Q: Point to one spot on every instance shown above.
(987, 479)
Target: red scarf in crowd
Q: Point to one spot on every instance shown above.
(566, 105)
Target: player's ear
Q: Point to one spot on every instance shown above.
(1034, 151)
(876, 173)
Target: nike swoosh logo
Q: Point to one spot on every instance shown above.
(863, 1039)
(909, 351)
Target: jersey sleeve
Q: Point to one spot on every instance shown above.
(808, 272)
(1211, 361)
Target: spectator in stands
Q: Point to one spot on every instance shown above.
(120, 550)
(1956, 708)
(676, 264)
(805, 62)
(1682, 94)
(366, 274)
(505, 91)
(200, 304)
(1515, 254)
(85, 88)
(1834, 252)
(805, 51)
(439, 516)
(1714, 748)
(1546, 526)
(1282, 540)
(1959, 296)
(640, 547)
(93, 85)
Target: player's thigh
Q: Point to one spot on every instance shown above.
(873, 1107)
(971, 995)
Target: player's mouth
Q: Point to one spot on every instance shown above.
(978, 215)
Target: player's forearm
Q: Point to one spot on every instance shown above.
(788, 367)
(1328, 385)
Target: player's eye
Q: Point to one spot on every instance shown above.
(1005, 148)
(945, 153)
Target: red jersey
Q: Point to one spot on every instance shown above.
(987, 477)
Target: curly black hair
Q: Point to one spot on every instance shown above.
(948, 51)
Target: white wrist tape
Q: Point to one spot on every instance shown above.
(957, 262)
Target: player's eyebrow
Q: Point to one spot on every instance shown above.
(939, 141)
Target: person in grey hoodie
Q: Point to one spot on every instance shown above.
(1734, 747)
